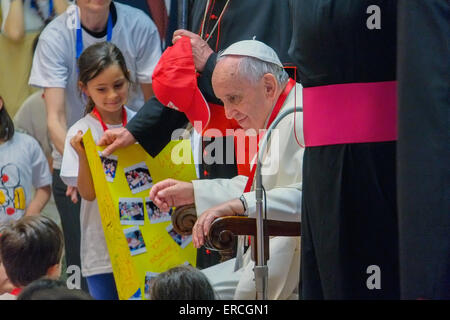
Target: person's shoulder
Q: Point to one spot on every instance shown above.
(129, 11)
(83, 124)
(132, 17)
(24, 138)
(130, 113)
(56, 29)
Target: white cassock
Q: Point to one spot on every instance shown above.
(282, 177)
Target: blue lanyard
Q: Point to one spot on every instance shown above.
(79, 43)
(33, 5)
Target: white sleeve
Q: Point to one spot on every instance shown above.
(5, 11)
(283, 203)
(209, 193)
(148, 46)
(39, 166)
(70, 164)
(50, 67)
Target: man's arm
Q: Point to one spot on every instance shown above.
(56, 116)
(154, 124)
(41, 197)
(147, 90)
(14, 27)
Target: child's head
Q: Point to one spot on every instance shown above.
(49, 289)
(31, 248)
(182, 283)
(103, 77)
(6, 123)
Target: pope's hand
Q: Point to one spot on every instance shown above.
(172, 193)
(201, 228)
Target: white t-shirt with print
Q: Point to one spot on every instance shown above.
(54, 63)
(22, 166)
(32, 20)
(94, 252)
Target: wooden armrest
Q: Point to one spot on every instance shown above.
(222, 231)
(183, 219)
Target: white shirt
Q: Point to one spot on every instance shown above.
(32, 20)
(94, 252)
(22, 166)
(54, 63)
(282, 179)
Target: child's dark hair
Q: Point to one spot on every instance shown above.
(48, 289)
(97, 58)
(29, 247)
(181, 283)
(6, 123)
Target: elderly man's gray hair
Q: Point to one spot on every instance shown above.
(254, 69)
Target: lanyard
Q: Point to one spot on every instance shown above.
(34, 5)
(79, 42)
(99, 117)
(272, 117)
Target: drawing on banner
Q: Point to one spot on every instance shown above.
(135, 240)
(109, 166)
(138, 177)
(154, 213)
(150, 278)
(182, 241)
(131, 211)
(137, 295)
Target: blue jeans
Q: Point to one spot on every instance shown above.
(102, 287)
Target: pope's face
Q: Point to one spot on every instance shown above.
(243, 101)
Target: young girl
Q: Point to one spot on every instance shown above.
(22, 166)
(104, 80)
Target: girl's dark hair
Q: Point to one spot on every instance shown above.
(48, 289)
(6, 124)
(182, 283)
(29, 247)
(97, 58)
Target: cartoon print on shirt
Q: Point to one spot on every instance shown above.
(12, 193)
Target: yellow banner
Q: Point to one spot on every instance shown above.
(140, 239)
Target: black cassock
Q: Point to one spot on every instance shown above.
(349, 216)
(267, 21)
(424, 148)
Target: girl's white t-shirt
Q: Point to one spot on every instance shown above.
(22, 166)
(94, 252)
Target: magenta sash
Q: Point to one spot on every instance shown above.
(350, 113)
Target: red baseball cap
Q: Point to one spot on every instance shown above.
(174, 82)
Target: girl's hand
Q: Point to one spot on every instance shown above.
(72, 193)
(77, 143)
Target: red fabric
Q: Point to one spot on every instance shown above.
(174, 83)
(160, 17)
(350, 113)
(16, 291)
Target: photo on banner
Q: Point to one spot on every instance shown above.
(109, 166)
(138, 177)
(131, 211)
(155, 215)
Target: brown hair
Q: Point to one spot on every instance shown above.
(182, 283)
(6, 123)
(29, 247)
(97, 58)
